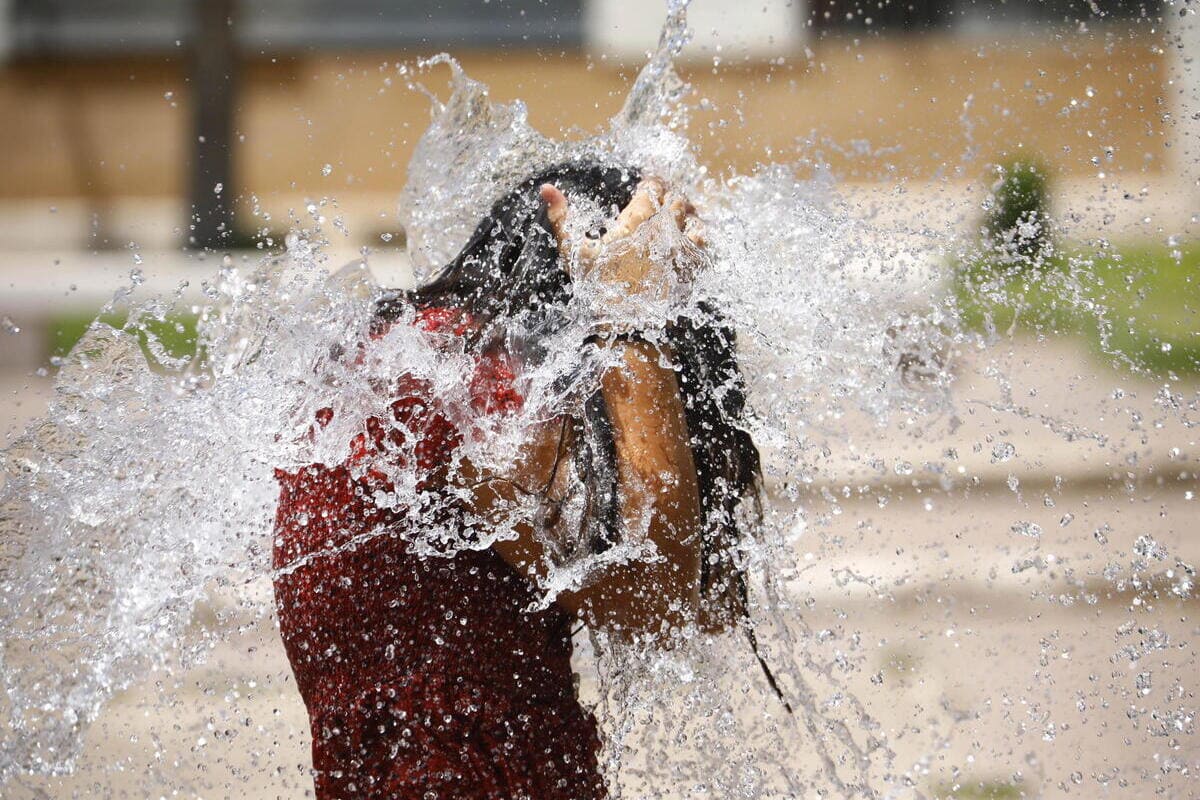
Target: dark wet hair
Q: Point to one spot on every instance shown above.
(509, 268)
(509, 271)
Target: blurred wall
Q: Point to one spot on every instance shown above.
(876, 108)
(721, 29)
(6, 31)
(1185, 49)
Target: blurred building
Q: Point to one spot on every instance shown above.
(96, 94)
(100, 27)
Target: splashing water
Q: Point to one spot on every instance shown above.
(147, 490)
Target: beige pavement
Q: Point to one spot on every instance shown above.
(979, 575)
(970, 686)
(987, 653)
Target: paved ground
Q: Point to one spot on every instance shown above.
(980, 565)
(997, 657)
(969, 689)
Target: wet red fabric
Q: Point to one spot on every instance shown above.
(424, 677)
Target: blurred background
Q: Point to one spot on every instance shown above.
(162, 135)
(174, 126)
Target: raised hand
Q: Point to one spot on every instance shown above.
(617, 257)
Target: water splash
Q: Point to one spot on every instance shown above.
(147, 490)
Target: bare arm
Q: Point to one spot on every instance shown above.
(656, 480)
(657, 491)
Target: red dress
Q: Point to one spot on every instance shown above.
(423, 677)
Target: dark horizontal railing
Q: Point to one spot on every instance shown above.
(92, 27)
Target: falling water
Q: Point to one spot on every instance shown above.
(145, 497)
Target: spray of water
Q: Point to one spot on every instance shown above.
(147, 489)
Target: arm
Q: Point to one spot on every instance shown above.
(657, 491)
(656, 480)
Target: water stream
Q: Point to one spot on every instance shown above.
(145, 497)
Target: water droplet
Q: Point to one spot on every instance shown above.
(1003, 451)
(8, 326)
(327, 170)
(1027, 528)
(1147, 547)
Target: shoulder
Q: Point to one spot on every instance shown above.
(444, 319)
(393, 312)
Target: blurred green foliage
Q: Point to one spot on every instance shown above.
(176, 333)
(1016, 225)
(1138, 305)
(980, 790)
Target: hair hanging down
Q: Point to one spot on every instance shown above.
(509, 272)
(509, 268)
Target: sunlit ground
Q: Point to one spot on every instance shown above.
(1004, 579)
(1015, 636)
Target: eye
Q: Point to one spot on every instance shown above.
(596, 233)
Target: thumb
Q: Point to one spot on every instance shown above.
(556, 210)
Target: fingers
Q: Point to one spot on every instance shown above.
(556, 210)
(679, 209)
(647, 199)
(683, 214)
(650, 197)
